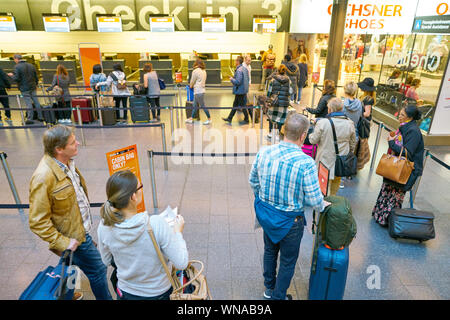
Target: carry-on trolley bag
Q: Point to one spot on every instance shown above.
(411, 224)
(329, 279)
(87, 115)
(190, 104)
(106, 108)
(54, 283)
(48, 113)
(139, 109)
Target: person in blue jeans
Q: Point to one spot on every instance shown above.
(60, 209)
(284, 181)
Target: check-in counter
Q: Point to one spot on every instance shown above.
(213, 71)
(48, 70)
(162, 67)
(256, 71)
(7, 65)
(108, 65)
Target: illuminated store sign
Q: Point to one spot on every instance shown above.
(373, 17)
(56, 23)
(109, 24)
(162, 24)
(7, 22)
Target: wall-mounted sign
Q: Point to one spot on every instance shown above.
(126, 159)
(363, 16)
(109, 23)
(214, 24)
(265, 24)
(56, 22)
(162, 24)
(7, 22)
(432, 24)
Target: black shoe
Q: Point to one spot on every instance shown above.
(288, 297)
(226, 120)
(29, 122)
(246, 121)
(41, 120)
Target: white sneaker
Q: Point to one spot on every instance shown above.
(61, 120)
(341, 185)
(189, 121)
(207, 122)
(68, 121)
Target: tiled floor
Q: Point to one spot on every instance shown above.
(217, 204)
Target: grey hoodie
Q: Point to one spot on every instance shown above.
(353, 110)
(138, 268)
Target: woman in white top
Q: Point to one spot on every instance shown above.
(151, 82)
(123, 236)
(117, 81)
(198, 82)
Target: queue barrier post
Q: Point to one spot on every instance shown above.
(164, 146)
(97, 97)
(80, 122)
(152, 178)
(261, 114)
(415, 188)
(20, 107)
(171, 123)
(253, 110)
(375, 149)
(11, 182)
(313, 95)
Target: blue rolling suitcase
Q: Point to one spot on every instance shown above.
(329, 274)
(54, 283)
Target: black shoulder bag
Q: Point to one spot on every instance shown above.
(345, 166)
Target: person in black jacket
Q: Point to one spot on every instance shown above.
(4, 84)
(302, 80)
(410, 138)
(329, 91)
(25, 76)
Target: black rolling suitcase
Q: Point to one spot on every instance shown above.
(108, 116)
(139, 109)
(189, 109)
(411, 224)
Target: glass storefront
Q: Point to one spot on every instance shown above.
(406, 68)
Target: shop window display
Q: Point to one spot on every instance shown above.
(406, 68)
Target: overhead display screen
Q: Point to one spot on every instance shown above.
(56, 23)
(265, 25)
(214, 24)
(162, 24)
(7, 22)
(107, 23)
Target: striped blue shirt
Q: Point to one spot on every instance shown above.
(286, 178)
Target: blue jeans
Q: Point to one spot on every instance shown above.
(299, 93)
(289, 248)
(88, 259)
(199, 101)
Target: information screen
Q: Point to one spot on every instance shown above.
(7, 22)
(109, 24)
(265, 25)
(56, 23)
(162, 24)
(210, 24)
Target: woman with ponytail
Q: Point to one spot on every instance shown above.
(123, 234)
(410, 138)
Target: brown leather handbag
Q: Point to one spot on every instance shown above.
(395, 168)
(196, 277)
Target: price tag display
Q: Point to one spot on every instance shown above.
(56, 24)
(210, 24)
(162, 24)
(265, 25)
(7, 23)
(109, 24)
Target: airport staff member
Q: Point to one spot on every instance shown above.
(60, 209)
(280, 212)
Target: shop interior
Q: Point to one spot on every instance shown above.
(411, 56)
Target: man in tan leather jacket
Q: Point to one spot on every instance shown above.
(60, 209)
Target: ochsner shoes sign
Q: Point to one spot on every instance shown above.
(363, 16)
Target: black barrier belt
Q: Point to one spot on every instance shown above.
(193, 154)
(27, 206)
(92, 95)
(442, 163)
(128, 108)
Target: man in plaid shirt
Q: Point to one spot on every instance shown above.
(284, 181)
